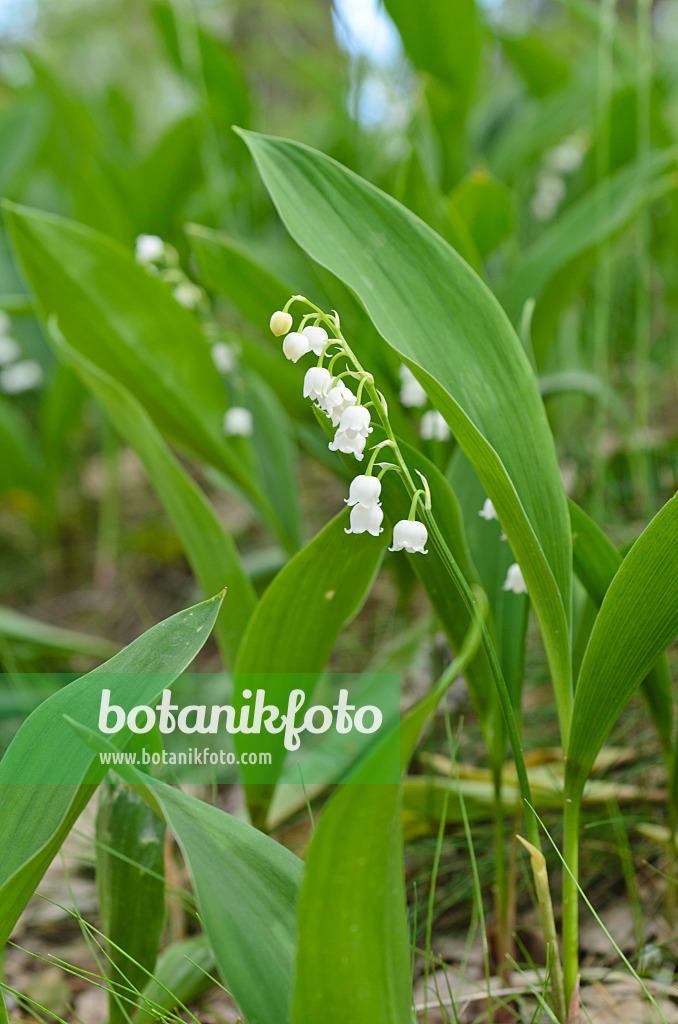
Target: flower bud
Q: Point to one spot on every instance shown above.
(434, 427)
(364, 491)
(187, 294)
(488, 511)
(149, 249)
(295, 346)
(366, 520)
(18, 377)
(238, 422)
(281, 323)
(223, 357)
(9, 350)
(410, 536)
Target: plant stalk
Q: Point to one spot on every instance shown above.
(570, 924)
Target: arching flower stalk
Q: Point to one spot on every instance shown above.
(350, 410)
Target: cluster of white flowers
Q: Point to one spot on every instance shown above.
(558, 162)
(351, 420)
(514, 582)
(161, 259)
(16, 374)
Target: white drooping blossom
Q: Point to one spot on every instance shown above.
(567, 157)
(9, 350)
(223, 357)
(412, 393)
(366, 520)
(149, 249)
(355, 420)
(411, 536)
(488, 511)
(22, 376)
(434, 427)
(295, 346)
(187, 294)
(317, 383)
(548, 196)
(515, 582)
(337, 400)
(364, 491)
(238, 422)
(348, 444)
(280, 323)
(317, 338)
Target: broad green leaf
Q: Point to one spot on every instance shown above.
(37, 816)
(434, 311)
(181, 975)
(127, 323)
(637, 621)
(353, 961)
(296, 623)
(543, 70)
(209, 548)
(15, 626)
(246, 886)
(130, 881)
(596, 562)
(484, 205)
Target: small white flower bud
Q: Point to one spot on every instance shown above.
(488, 511)
(281, 323)
(223, 357)
(149, 249)
(187, 294)
(410, 536)
(317, 338)
(295, 346)
(364, 491)
(433, 426)
(366, 520)
(355, 420)
(238, 422)
(9, 350)
(18, 377)
(317, 383)
(515, 582)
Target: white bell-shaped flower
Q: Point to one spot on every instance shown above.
(317, 338)
(238, 422)
(348, 445)
(364, 491)
(366, 520)
(355, 421)
(434, 427)
(515, 581)
(295, 346)
(488, 511)
(410, 536)
(223, 357)
(412, 394)
(280, 323)
(317, 383)
(337, 400)
(149, 249)
(18, 377)
(9, 350)
(187, 294)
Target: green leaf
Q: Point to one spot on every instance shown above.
(15, 626)
(181, 975)
(637, 621)
(21, 465)
(246, 886)
(130, 880)
(37, 816)
(353, 961)
(209, 548)
(596, 562)
(296, 623)
(485, 207)
(434, 311)
(543, 71)
(127, 323)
